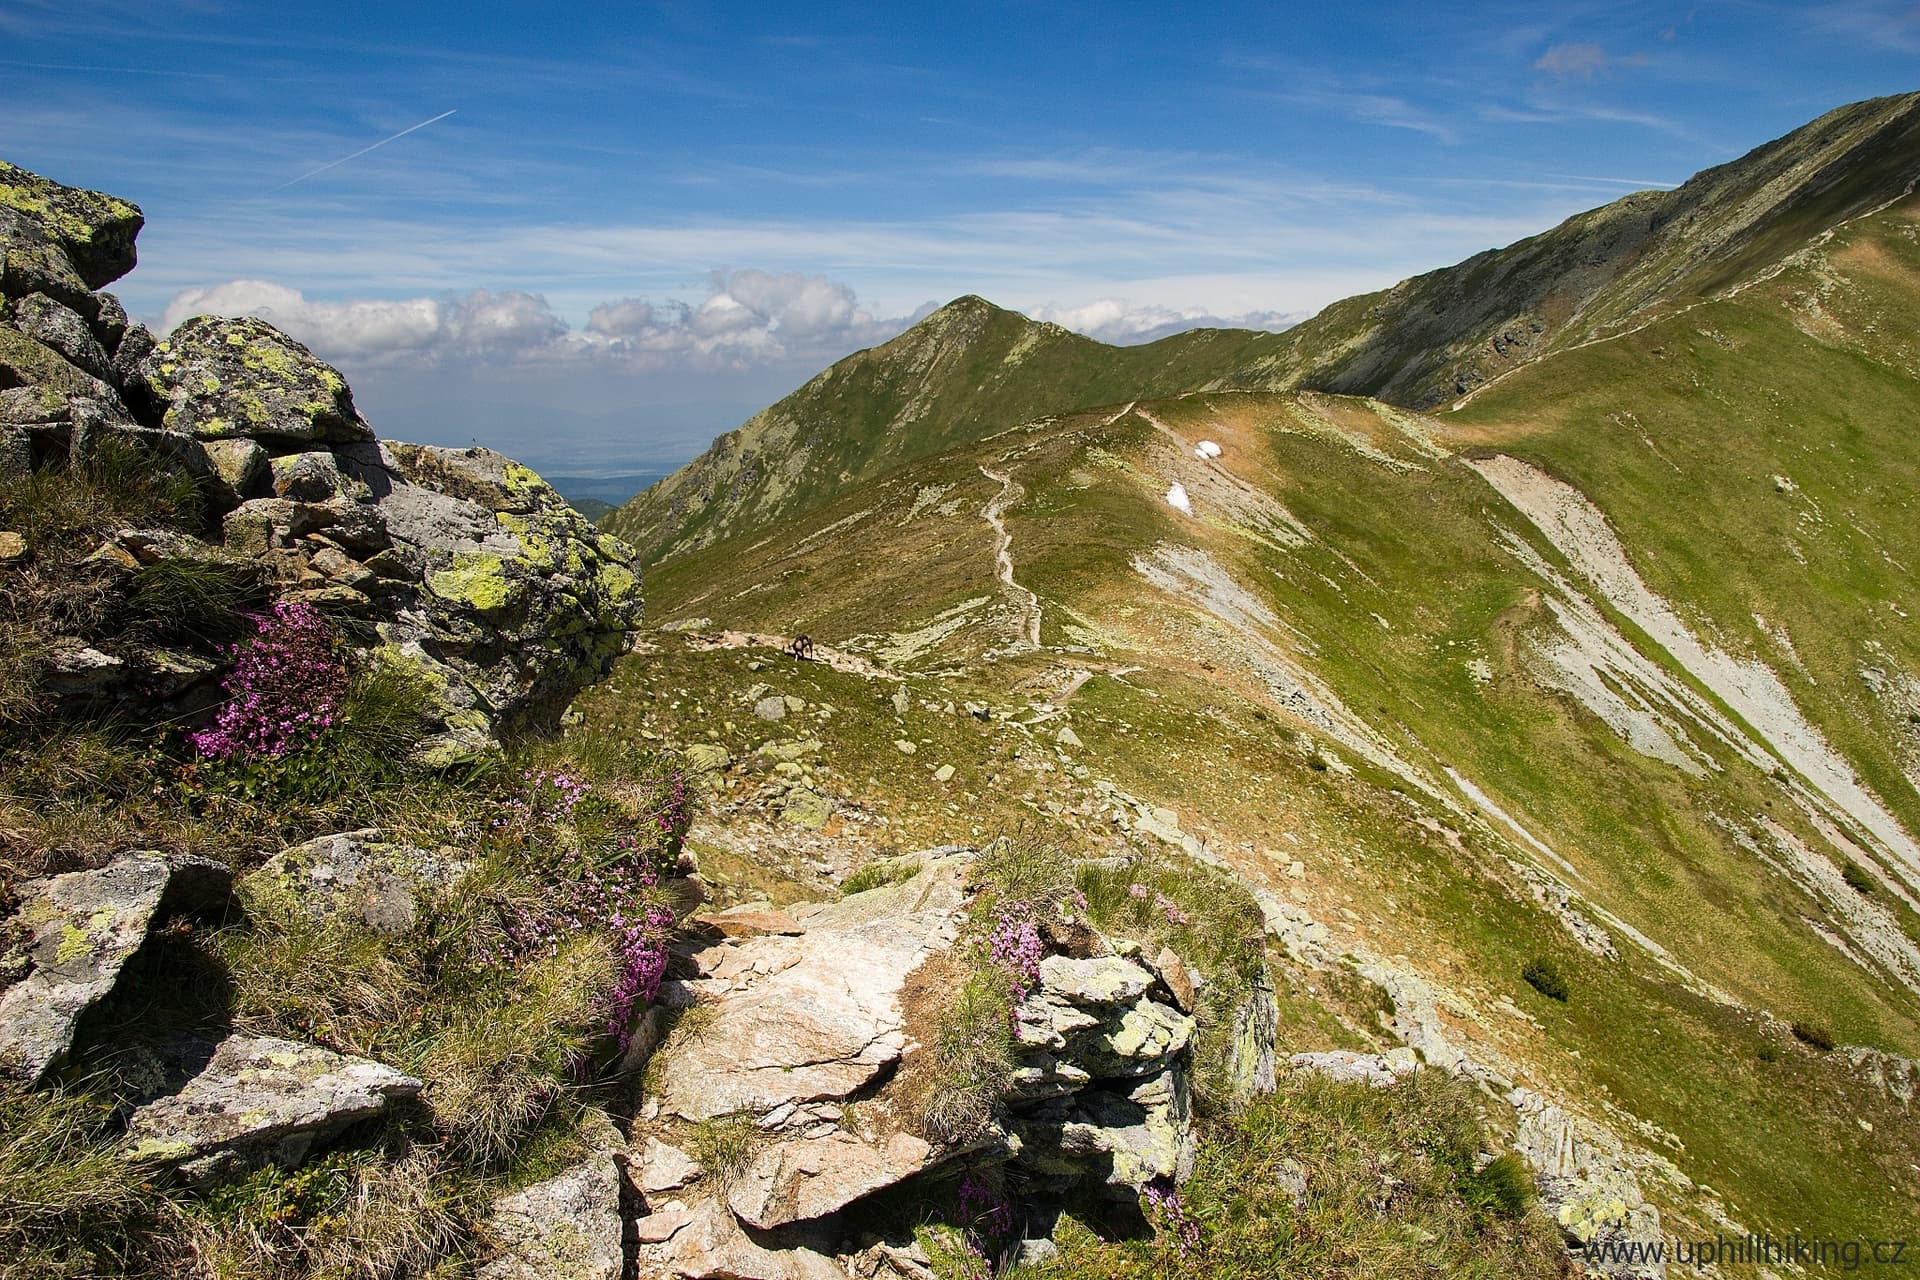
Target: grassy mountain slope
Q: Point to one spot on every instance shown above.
(968, 369)
(1439, 335)
(1632, 630)
(972, 368)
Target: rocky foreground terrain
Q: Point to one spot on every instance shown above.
(1211, 829)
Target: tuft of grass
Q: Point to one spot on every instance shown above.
(182, 598)
(973, 1060)
(1544, 976)
(70, 1204)
(880, 875)
(723, 1145)
(1503, 1185)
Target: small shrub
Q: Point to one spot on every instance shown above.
(1813, 1033)
(1767, 1052)
(723, 1145)
(1544, 976)
(1503, 1186)
(1856, 877)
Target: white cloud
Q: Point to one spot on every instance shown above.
(748, 317)
(1116, 321)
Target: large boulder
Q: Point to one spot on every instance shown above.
(218, 377)
(257, 1099)
(73, 935)
(60, 240)
(357, 875)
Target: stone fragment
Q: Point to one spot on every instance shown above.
(82, 928)
(752, 921)
(771, 708)
(566, 1228)
(660, 1166)
(807, 1178)
(1377, 1069)
(259, 1099)
(12, 546)
(1179, 979)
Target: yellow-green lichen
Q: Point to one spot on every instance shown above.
(74, 943)
(618, 582)
(478, 579)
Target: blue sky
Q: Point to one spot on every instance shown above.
(642, 221)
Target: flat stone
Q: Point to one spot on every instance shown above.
(566, 1228)
(811, 1177)
(83, 928)
(943, 774)
(257, 1099)
(711, 1245)
(771, 708)
(1099, 980)
(904, 747)
(12, 545)
(750, 921)
(660, 1166)
(662, 1223)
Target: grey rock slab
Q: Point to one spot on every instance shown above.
(83, 928)
(808, 1178)
(1377, 1069)
(566, 1228)
(1101, 980)
(825, 1018)
(261, 1098)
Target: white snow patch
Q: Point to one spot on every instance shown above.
(1206, 449)
(1177, 499)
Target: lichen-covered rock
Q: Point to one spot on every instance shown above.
(215, 377)
(81, 929)
(1099, 980)
(1588, 1185)
(60, 240)
(63, 330)
(356, 874)
(258, 1099)
(566, 1228)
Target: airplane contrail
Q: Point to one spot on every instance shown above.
(334, 164)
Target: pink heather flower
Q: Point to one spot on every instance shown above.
(284, 690)
(1137, 891)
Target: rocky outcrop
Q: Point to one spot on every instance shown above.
(256, 1099)
(1588, 1184)
(566, 1228)
(72, 935)
(458, 564)
(800, 1045)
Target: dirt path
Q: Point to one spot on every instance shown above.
(838, 659)
(992, 513)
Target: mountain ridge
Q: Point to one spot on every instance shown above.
(1423, 342)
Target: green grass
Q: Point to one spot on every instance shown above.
(1331, 1180)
